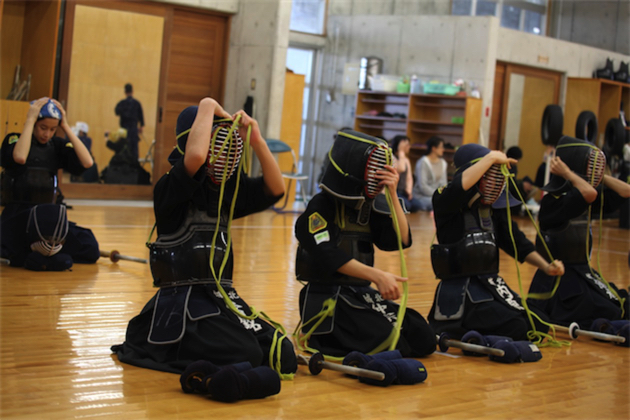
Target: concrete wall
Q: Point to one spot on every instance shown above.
(258, 49)
(443, 48)
(603, 24)
(574, 60)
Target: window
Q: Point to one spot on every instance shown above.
(523, 15)
(308, 16)
(486, 8)
(511, 17)
(462, 7)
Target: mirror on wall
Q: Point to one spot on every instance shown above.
(112, 48)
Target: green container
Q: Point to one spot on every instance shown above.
(457, 120)
(402, 87)
(440, 89)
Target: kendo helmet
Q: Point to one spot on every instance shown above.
(226, 145)
(47, 228)
(491, 186)
(583, 158)
(351, 174)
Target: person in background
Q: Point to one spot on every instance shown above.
(91, 174)
(400, 148)
(430, 173)
(131, 118)
(81, 130)
(35, 232)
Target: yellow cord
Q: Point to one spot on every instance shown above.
(535, 336)
(276, 347)
(328, 308)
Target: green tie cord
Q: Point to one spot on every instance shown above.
(328, 307)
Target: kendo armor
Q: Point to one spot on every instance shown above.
(567, 244)
(350, 178)
(37, 183)
(182, 258)
(476, 253)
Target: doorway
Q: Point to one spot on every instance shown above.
(303, 61)
(520, 97)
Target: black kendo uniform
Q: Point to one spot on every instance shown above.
(471, 295)
(581, 296)
(362, 319)
(187, 320)
(35, 182)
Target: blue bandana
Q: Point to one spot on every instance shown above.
(49, 110)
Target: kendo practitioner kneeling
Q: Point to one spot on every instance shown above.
(197, 314)
(340, 311)
(471, 295)
(35, 232)
(577, 183)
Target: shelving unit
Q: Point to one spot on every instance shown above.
(385, 114)
(382, 114)
(603, 97)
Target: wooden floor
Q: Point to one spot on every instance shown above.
(57, 329)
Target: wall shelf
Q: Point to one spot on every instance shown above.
(427, 116)
(601, 96)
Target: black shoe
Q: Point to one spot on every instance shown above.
(606, 72)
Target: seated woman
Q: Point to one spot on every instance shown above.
(472, 225)
(430, 173)
(337, 233)
(35, 232)
(577, 183)
(404, 190)
(197, 314)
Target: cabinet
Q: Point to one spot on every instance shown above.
(602, 97)
(456, 119)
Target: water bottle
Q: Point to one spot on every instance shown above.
(415, 84)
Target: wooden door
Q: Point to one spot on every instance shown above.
(195, 68)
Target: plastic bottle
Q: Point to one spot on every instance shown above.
(415, 84)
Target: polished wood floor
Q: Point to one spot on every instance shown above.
(57, 329)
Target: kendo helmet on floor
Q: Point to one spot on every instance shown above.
(47, 228)
(583, 158)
